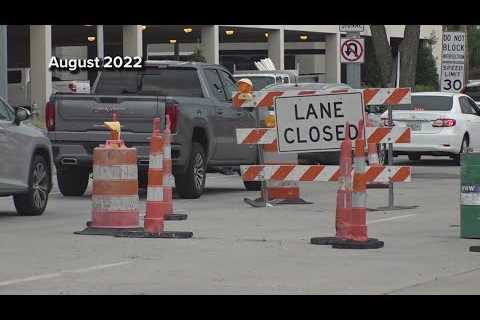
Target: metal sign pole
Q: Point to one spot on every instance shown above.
(354, 69)
(390, 160)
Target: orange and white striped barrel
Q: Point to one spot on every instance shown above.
(115, 186)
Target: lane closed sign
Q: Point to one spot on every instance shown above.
(453, 62)
(317, 122)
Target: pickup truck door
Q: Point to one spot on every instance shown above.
(226, 119)
(18, 81)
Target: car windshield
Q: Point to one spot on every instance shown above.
(473, 92)
(428, 103)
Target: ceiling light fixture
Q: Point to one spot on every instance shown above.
(266, 34)
(187, 30)
(229, 32)
(144, 27)
(173, 41)
(91, 38)
(304, 37)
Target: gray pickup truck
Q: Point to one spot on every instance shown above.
(197, 98)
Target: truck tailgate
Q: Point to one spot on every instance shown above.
(84, 113)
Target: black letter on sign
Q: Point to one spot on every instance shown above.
(353, 135)
(296, 113)
(328, 133)
(314, 137)
(339, 132)
(311, 110)
(326, 110)
(337, 109)
(299, 138)
(285, 136)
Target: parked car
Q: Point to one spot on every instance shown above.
(443, 124)
(19, 87)
(25, 161)
(473, 91)
(196, 96)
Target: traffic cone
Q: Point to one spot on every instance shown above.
(159, 190)
(344, 196)
(357, 237)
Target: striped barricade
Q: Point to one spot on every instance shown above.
(321, 173)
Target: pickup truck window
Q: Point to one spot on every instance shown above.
(14, 76)
(215, 84)
(5, 113)
(117, 83)
(173, 82)
(229, 84)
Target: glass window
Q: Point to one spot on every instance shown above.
(6, 113)
(172, 82)
(215, 84)
(14, 76)
(229, 84)
(473, 92)
(474, 106)
(428, 103)
(465, 106)
(113, 82)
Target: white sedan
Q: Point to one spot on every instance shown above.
(443, 124)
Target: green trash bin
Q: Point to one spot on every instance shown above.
(470, 196)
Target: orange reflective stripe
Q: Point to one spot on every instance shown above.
(397, 96)
(267, 101)
(368, 95)
(311, 173)
(119, 188)
(401, 175)
(155, 177)
(282, 172)
(272, 147)
(373, 172)
(378, 135)
(252, 173)
(255, 136)
(405, 136)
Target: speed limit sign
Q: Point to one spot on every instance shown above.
(453, 62)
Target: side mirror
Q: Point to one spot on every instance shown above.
(21, 114)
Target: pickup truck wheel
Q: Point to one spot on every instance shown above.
(73, 182)
(191, 184)
(35, 201)
(253, 185)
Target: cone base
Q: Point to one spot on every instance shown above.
(325, 241)
(92, 231)
(162, 235)
(371, 243)
(260, 203)
(475, 249)
(175, 217)
(392, 208)
(377, 185)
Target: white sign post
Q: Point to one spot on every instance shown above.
(317, 122)
(453, 62)
(352, 28)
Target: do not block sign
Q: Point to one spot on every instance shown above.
(317, 122)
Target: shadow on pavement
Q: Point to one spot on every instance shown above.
(427, 163)
(208, 191)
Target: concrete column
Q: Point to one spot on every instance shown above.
(100, 42)
(276, 48)
(332, 58)
(3, 62)
(211, 44)
(40, 75)
(132, 40)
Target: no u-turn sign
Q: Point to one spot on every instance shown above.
(352, 50)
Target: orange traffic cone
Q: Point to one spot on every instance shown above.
(358, 237)
(344, 196)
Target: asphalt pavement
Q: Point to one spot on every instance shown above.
(237, 249)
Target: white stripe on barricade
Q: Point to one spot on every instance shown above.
(115, 203)
(154, 193)
(115, 172)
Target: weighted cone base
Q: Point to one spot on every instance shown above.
(475, 249)
(371, 243)
(175, 217)
(92, 231)
(325, 241)
(260, 203)
(393, 208)
(377, 185)
(257, 204)
(162, 235)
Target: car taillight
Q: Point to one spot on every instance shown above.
(444, 123)
(171, 109)
(72, 87)
(50, 116)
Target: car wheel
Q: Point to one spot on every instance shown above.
(414, 156)
(35, 201)
(463, 148)
(253, 185)
(73, 182)
(191, 184)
